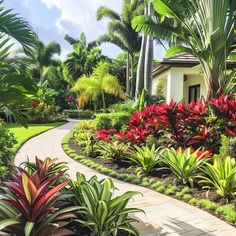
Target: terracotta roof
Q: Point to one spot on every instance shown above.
(180, 60)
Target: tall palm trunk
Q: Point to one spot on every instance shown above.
(140, 70)
(128, 74)
(213, 78)
(103, 101)
(149, 54)
(141, 64)
(132, 80)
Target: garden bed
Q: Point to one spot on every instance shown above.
(161, 182)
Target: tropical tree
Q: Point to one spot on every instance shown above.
(95, 86)
(121, 33)
(41, 58)
(204, 28)
(82, 60)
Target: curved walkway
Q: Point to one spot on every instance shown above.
(165, 216)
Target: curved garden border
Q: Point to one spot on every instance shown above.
(215, 209)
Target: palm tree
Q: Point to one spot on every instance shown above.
(97, 85)
(121, 33)
(204, 28)
(41, 58)
(82, 60)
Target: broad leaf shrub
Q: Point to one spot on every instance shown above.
(117, 151)
(145, 159)
(184, 164)
(111, 120)
(7, 142)
(221, 175)
(43, 113)
(198, 124)
(103, 213)
(228, 146)
(122, 107)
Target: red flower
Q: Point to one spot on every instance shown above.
(36, 104)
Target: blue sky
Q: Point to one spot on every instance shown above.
(52, 19)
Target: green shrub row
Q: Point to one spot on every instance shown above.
(111, 120)
(78, 114)
(228, 212)
(122, 107)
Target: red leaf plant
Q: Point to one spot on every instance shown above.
(198, 124)
(31, 204)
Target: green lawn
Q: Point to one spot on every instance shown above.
(22, 134)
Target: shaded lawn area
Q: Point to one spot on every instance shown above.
(22, 134)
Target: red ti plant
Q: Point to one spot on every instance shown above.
(45, 168)
(31, 205)
(105, 135)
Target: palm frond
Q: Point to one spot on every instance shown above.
(111, 85)
(104, 11)
(19, 29)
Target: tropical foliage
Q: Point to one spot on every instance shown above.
(184, 164)
(220, 175)
(103, 213)
(146, 159)
(116, 151)
(95, 86)
(31, 205)
(82, 60)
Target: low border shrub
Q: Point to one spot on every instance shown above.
(78, 114)
(111, 120)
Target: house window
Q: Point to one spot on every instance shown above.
(194, 93)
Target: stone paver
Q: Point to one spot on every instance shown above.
(165, 216)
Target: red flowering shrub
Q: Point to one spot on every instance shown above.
(198, 124)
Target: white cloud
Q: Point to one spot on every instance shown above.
(79, 12)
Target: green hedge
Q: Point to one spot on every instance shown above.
(111, 120)
(122, 107)
(78, 114)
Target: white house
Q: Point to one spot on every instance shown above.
(180, 78)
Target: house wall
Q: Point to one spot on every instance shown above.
(174, 85)
(194, 80)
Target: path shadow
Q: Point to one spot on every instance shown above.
(182, 228)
